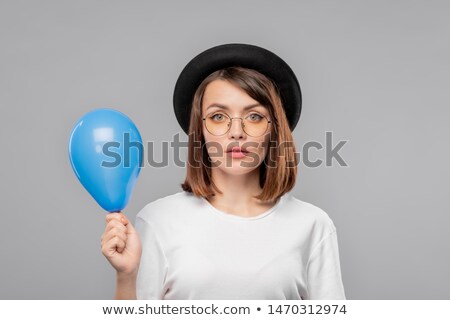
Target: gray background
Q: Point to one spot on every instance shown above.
(374, 73)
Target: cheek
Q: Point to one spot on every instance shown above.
(214, 146)
(205, 133)
(263, 145)
(259, 149)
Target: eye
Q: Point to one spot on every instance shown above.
(218, 117)
(255, 117)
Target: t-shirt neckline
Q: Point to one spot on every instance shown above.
(235, 217)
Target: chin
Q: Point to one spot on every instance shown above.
(238, 172)
(237, 168)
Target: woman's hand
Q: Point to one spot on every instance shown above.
(121, 244)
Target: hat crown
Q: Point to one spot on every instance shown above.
(243, 55)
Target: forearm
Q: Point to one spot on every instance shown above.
(126, 286)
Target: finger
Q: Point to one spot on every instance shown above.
(115, 215)
(129, 225)
(124, 220)
(115, 233)
(114, 224)
(113, 245)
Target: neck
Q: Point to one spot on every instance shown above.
(237, 192)
(236, 186)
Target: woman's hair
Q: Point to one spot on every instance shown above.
(278, 170)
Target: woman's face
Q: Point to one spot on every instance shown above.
(223, 98)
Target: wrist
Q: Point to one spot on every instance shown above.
(128, 275)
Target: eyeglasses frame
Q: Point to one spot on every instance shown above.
(242, 124)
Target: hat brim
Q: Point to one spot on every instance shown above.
(243, 55)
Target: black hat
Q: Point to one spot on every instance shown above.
(230, 55)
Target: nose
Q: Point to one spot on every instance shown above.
(236, 129)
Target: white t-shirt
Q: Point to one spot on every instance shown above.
(191, 250)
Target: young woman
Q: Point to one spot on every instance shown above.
(235, 231)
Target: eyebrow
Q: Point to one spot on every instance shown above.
(227, 108)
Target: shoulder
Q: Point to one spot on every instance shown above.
(309, 214)
(167, 207)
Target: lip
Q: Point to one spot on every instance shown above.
(237, 152)
(237, 149)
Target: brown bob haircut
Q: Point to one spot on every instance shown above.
(278, 171)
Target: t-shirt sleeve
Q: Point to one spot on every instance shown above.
(324, 271)
(153, 266)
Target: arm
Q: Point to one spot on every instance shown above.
(126, 286)
(121, 245)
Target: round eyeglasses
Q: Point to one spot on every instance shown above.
(218, 123)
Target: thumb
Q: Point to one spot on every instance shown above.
(129, 225)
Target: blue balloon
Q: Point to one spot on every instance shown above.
(105, 151)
